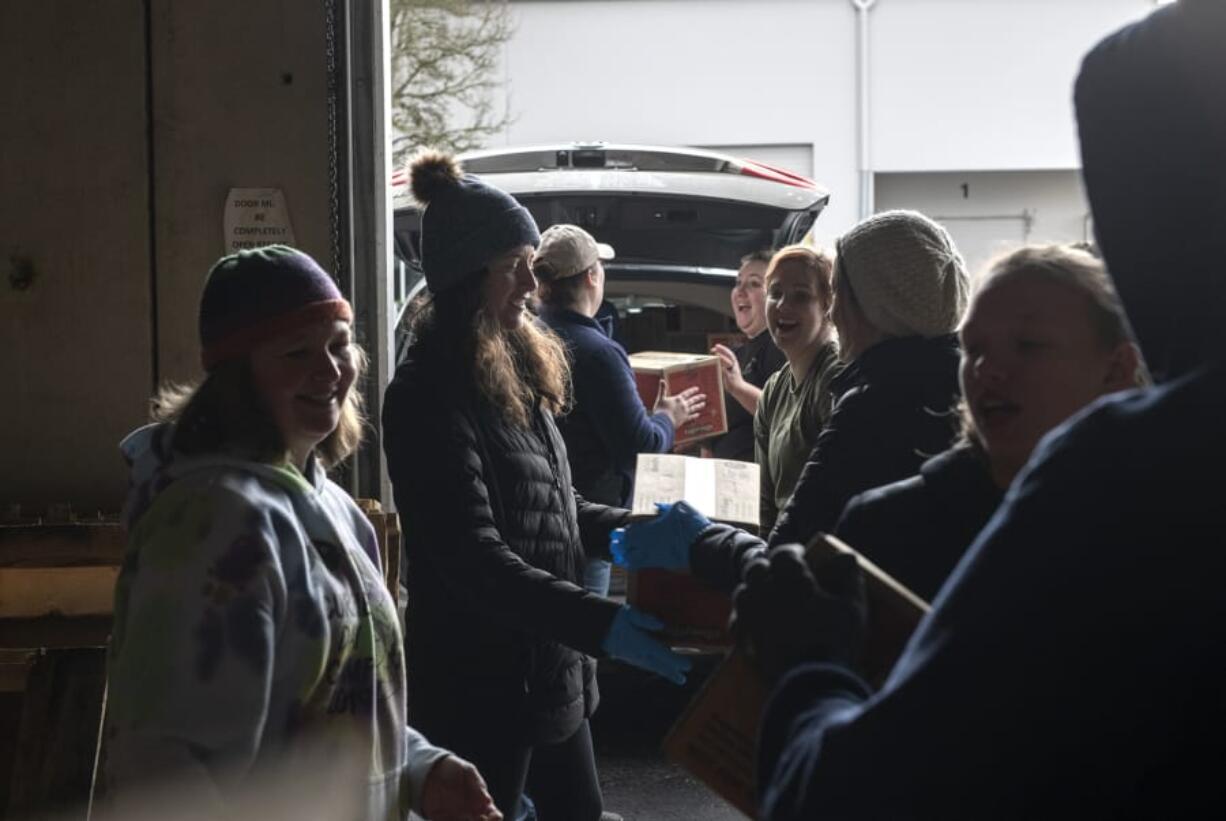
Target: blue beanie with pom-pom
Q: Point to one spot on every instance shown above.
(465, 222)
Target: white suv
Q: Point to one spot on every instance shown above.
(679, 219)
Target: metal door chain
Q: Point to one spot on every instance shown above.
(334, 184)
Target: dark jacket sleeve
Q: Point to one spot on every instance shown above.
(858, 527)
(720, 554)
(435, 464)
(805, 704)
(616, 410)
(595, 524)
(845, 461)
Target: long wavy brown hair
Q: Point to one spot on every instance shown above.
(511, 370)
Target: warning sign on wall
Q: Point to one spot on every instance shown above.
(255, 217)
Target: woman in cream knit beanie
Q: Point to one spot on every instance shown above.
(904, 274)
(900, 289)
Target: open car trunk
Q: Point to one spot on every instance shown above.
(680, 220)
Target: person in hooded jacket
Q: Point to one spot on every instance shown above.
(900, 288)
(500, 635)
(1072, 665)
(1043, 337)
(253, 632)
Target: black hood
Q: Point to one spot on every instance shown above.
(1151, 109)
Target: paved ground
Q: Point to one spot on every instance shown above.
(636, 710)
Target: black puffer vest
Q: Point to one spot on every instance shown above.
(497, 630)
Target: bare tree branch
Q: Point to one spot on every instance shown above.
(445, 55)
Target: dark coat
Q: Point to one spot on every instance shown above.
(758, 358)
(918, 529)
(1073, 664)
(892, 412)
(609, 425)
(498, 630)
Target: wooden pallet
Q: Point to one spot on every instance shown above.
(56, 587)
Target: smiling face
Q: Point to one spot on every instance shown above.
(509, 286)
(1031, 358)
(749, 298)
(795, 314)
(303, 379)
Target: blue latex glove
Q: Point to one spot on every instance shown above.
(629, 639)
(664, 541)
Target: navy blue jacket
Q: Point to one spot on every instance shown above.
(609, 426)
(917, 529)
(1072, 667)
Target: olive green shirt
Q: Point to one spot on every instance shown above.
(789, 418)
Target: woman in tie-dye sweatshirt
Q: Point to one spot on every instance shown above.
(255, 642)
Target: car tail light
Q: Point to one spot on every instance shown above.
(753, 168)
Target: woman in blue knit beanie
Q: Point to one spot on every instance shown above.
(500, 633)
(256, 646)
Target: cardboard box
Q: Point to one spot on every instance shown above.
(694, 614)
(678, 372)
(714, 738)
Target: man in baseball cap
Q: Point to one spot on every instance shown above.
(609, 425)
(567, 251)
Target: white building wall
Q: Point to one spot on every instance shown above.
(989, 212)
(982, 84)
(956, 85)
(682, 72)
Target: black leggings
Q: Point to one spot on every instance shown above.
(561, 778)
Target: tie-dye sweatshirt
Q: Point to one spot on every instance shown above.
(252, 626)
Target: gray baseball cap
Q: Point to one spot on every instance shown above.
(567, 250)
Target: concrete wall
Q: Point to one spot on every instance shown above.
(114, 184)
(957, 85)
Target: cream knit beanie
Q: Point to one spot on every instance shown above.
(905, 273)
